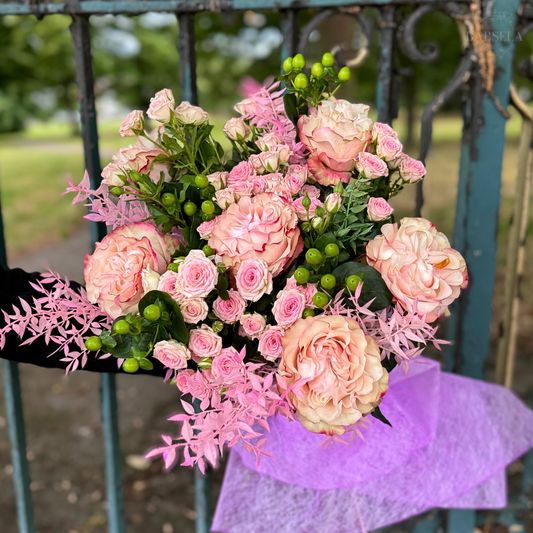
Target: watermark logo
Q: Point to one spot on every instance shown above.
(504, 33)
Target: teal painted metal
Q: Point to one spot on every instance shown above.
(289, 30)
(112, 453)
(461, 521)
(386, 60)
(17, 436)
(476, 220)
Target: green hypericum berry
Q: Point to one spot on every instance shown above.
(287, 64)
(328, 281)
(301, 275)
(313, 256)
(332, 250)
(205, 363)
(317, 70)
(121, 327)
(217, 326)
(298, 62)
(320, 300)
(344, 74)
(352, 282)
(301, 81)
(328, 60)
(190, 208)
(208, 250)
(168, 199)
(130, 365)
(201, 181)
(173, 267)
(308, 312)
(152, 313)
(93, 344)
(208, 207)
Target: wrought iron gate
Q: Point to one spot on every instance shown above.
(478, 195)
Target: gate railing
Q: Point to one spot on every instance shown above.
(479, 181)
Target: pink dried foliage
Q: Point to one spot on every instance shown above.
(61, 315)
(230, 412)
(102, 206)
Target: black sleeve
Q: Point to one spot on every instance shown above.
(15, 284)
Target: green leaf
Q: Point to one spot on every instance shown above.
(107, 340)
(146, 364)
(125, 344)
(222, 287)
(376, 413)
(191, 236)
(176, 327)
(325, 239)
(289, 102)
(374, 286)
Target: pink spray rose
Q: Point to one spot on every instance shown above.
(242, 188)
(172, 354)
(183, 378)
(259, 183)
(333, 202)
(308, 291)
(311, 191)
(218, 180)
(236, 129)
(294, 184)
(388, 148)
(161, 106)
(191, 114)
(134, 122)
(194, 310)
(204, 342)
(270, 161)
(379, 209)
(205, 228)
(418, 265)
(229, 311)
(263, 227)
(197, 275)
(268, 141)
(335, 132)
(224, 198)
(113, 273)
(226, 365)
(246, 107)
(371, 166)
(288, 307)
(252, 326)
(342, 368)
(253, 279)
(380, 130)
(169, 283)
(301, 212)
(270, 346)
(411, 170)
(240, 172)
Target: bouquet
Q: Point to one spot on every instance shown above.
(268, 279)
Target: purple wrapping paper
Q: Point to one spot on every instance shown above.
(451, 439)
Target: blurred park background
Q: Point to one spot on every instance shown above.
(40, 145)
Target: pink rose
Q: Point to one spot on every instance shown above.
(342, 369)
(252, 326)
(133, 124)
(246, 107)
(140, 157)
(270, 162)
(268, 141)
(256, 163)
(273, 179)
(281, 190)
(172, 354)
(242, 188)
(395, 163)
(309, 291)
(150, 279)
(161, 106)
(379, 209)
(205, 228)
(299, 171)
(229, 311)
(302, 212)
(333, 203)
(371, 166)
(418, 265)
(224, 198)
(253, 279)
(335, 133)
(284, 153)
(183, 379)
(288, 307)
(325, 175)
(191, 114)
(388, 148)
(204, 342)
(218, 180)
(226, 365)
(169, 283)
(411, 170)
(236, 129)
(240, 173)
(263, 227)
(380, 130)
(197, 275)
(294, 184)
(270, 346)
(113, 273)
(259, 184)
(311, 191)
(194, 310)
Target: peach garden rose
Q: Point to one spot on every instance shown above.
(418, 265)
(113, 273)
(341, 369)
